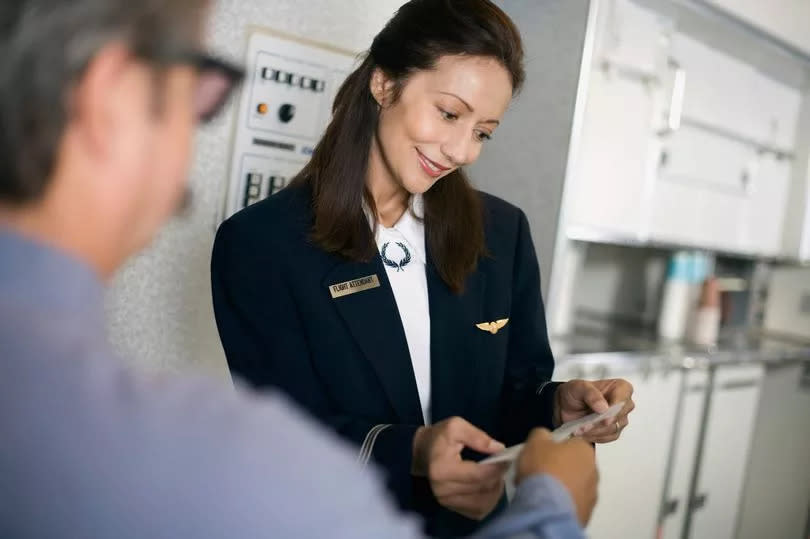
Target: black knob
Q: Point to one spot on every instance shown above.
(286, 113)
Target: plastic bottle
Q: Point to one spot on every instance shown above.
(700, 268)
(707, 320)
(675, 302)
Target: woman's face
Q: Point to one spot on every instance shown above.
(441, 120)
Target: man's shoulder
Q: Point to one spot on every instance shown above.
(130, 445)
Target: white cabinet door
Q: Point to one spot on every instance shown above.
(727, 198)
(612, 169)
(700, 195)
(674, 213)
(685, 446)
(729, 430)
(629, 35)
(720, 90)
(706, 190)
(764, 220)
(776, 116)
(633, 469)
(776, 112)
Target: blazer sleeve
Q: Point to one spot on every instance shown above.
(528, 394)
(265, 344)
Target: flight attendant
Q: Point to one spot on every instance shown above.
(383, 293)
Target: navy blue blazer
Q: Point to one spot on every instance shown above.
(346, 359)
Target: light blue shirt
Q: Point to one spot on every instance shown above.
(91, 450)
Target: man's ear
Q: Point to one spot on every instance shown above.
(94, 103)
(382, 87)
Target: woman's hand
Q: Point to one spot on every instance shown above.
(463, 486)
(579, 398)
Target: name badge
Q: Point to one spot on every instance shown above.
(351, 287)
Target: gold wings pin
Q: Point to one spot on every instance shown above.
(492, 327)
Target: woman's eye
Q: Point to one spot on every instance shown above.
(482, 136)
(449, 116)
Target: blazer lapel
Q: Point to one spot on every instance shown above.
(373, 319)
(453, 349)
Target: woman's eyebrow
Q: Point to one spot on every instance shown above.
(496, 122)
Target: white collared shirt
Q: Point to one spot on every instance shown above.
(405, 257)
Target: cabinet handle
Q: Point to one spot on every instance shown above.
(745, 178)
(670, 507)
(676, 99)
(739, 384)
(664, 159)
(698, 502)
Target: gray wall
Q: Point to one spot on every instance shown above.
(526, 161)
(160, 305)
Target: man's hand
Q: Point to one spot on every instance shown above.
(572, 463)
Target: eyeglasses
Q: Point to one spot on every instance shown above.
(216, 82)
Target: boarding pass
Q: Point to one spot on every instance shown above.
(565, 431)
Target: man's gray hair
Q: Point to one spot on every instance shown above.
(45, 46)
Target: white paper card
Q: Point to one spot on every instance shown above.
(559, 434)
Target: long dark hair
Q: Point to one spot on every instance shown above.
(419, 34)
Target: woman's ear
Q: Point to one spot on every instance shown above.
(381, 87)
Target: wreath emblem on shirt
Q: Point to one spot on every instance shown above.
(396, 265)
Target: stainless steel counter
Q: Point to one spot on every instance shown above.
(628, 349)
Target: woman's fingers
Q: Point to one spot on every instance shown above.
(603, 435)
(460, 431)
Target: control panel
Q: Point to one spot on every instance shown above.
(285, 105)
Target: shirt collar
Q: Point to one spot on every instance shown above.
(411, 225)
